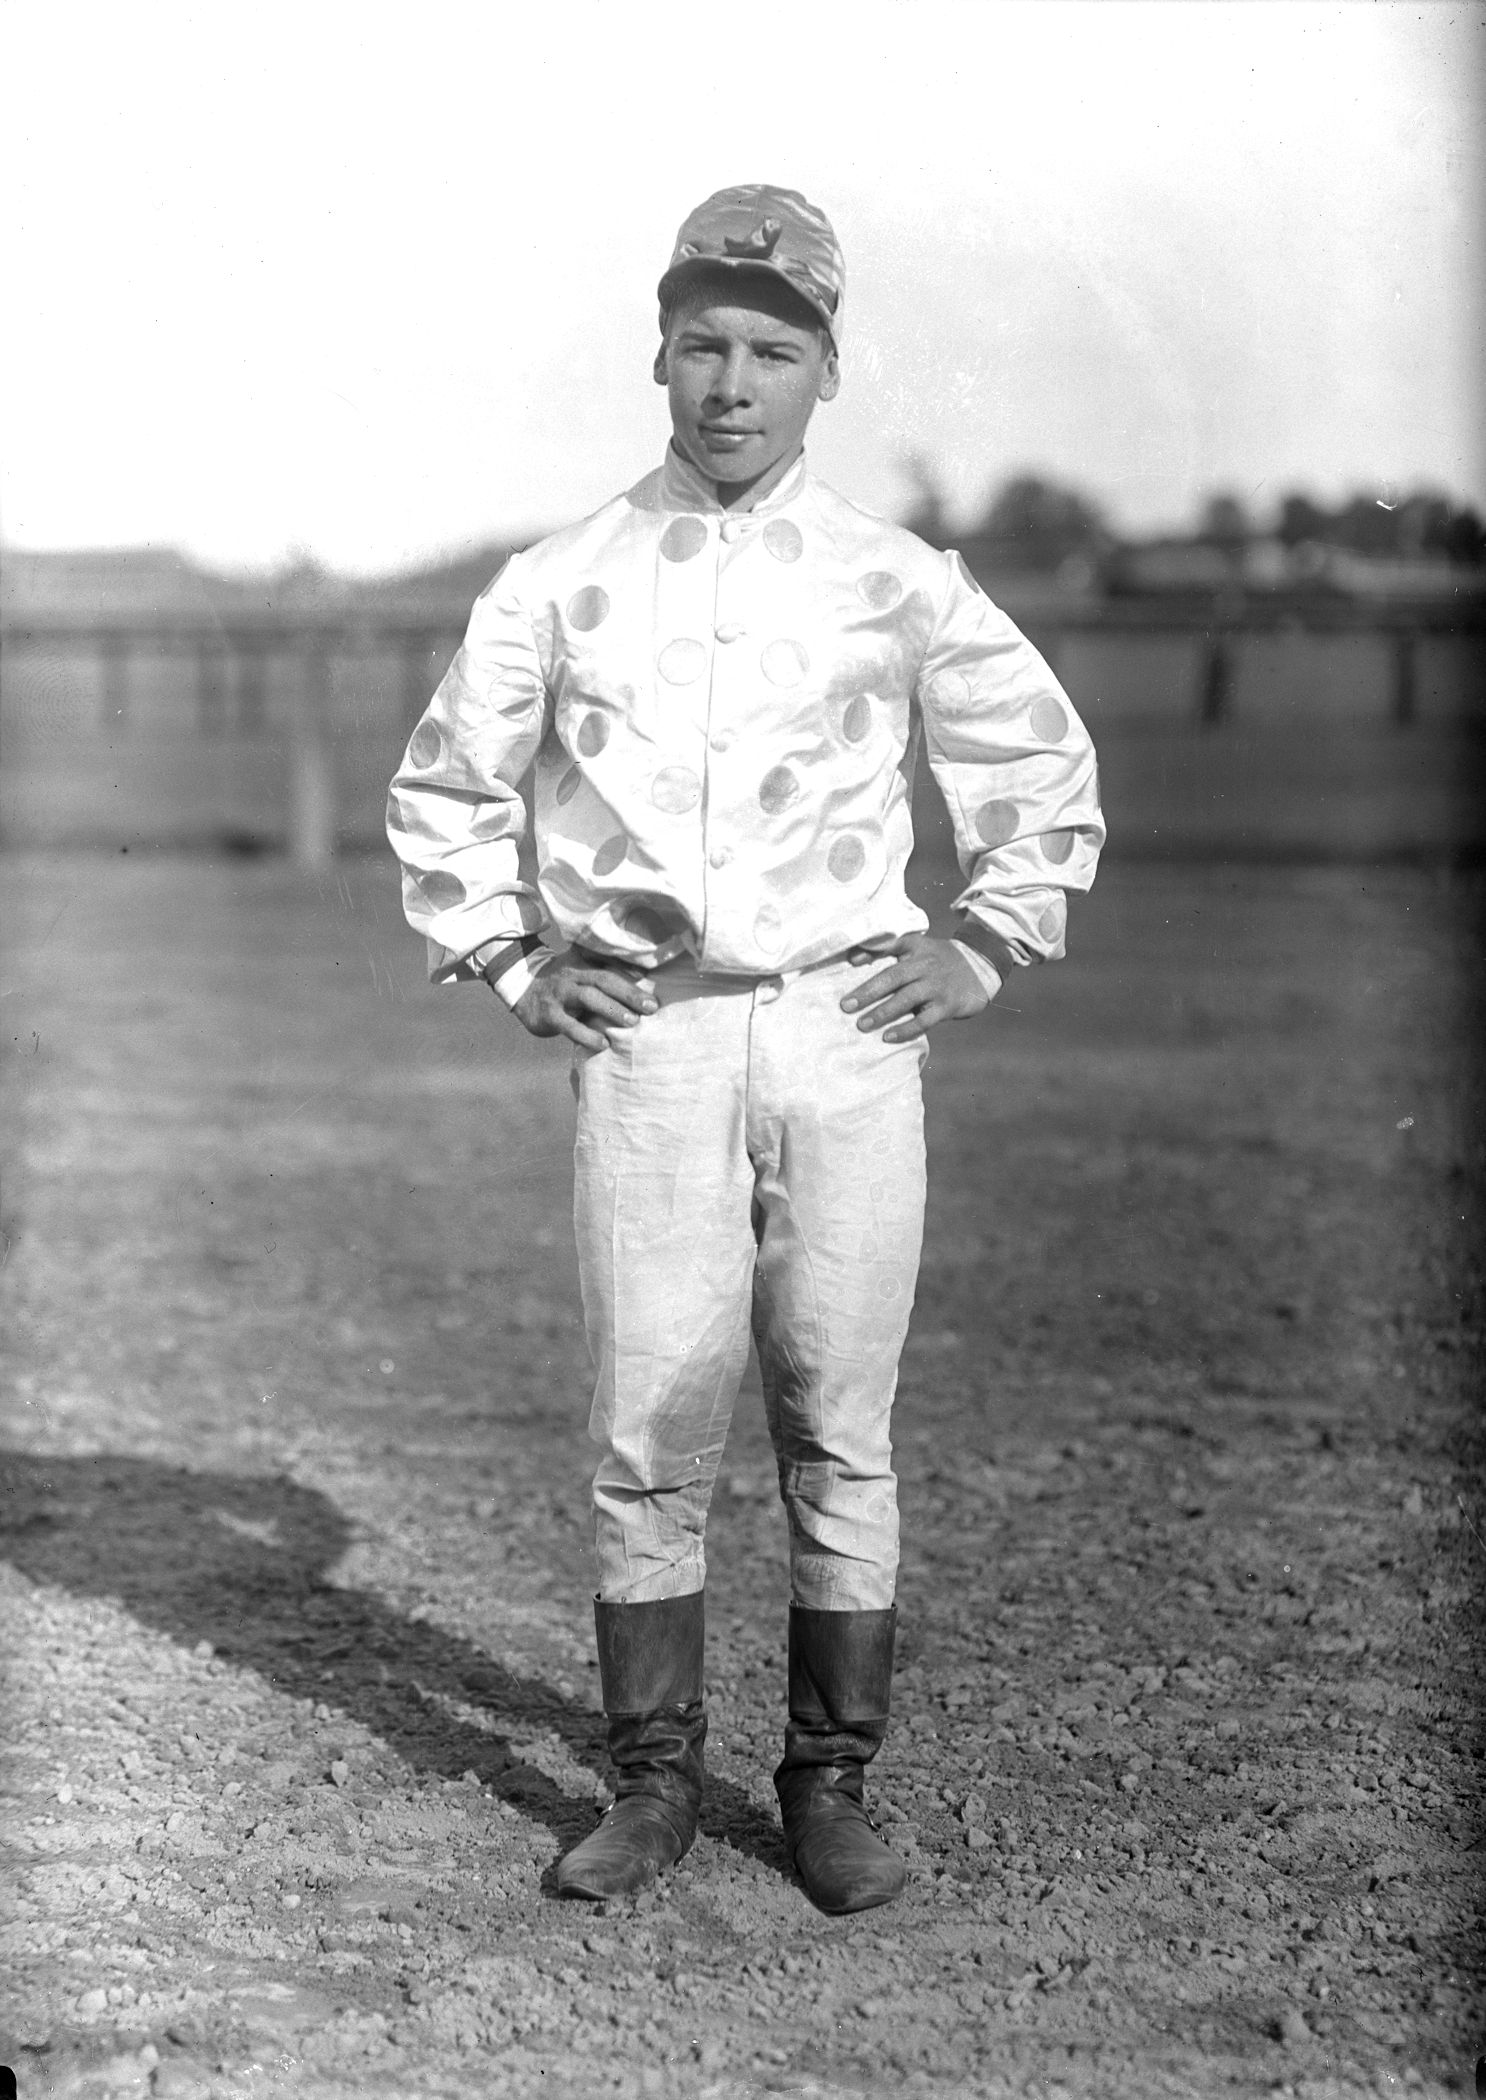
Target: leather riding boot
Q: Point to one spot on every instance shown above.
(650, 1669)
(840, 1682)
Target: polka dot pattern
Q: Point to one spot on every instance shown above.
(768, 929)
(847, 857)
(784, 662)
(880, 589)
(676, 789)
(683, 539)
(492, 823)
(427, 746)
(588, 608)
(442, 888)
(856, 723)
(950, 692)
(407, 817)
(683, 661)
(996, 823)
(646, 923)
(1049, 720)
(800, 785)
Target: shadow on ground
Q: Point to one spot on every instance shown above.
(243, 1562)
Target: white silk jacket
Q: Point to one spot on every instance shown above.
(724, 710)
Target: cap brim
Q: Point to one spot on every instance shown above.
(678, 273)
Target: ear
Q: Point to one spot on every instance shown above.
(658, 369)
(830, 378)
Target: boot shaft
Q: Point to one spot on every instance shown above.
(651, 1655)
(841, 1669)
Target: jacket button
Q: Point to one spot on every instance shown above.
(732, 529)
(731, 631)
(719, 857)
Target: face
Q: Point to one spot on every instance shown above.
(743, 368)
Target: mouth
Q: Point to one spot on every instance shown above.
(715, 435)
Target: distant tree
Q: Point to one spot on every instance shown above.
(1422, 526)
(1225, 522)
(1301, 521)
(1032, 523)
(1465, 539)
(927, 514)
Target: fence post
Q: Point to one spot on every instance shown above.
(211, 683)
(1405, 691)
(312, 772)
(417, 687)
(113, 650)
(1216, 680)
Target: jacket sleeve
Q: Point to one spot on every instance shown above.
(1017, 771)
(455, 816)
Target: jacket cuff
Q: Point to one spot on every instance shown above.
(991, 978)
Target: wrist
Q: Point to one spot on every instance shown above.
(511, 984)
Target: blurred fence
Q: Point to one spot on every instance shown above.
(1246, 725)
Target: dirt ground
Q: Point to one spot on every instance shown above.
(300, 1694)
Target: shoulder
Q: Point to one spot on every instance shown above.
(862, 535)
(558, 553)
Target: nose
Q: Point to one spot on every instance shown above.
(730, 380)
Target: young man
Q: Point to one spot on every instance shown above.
(722, 679)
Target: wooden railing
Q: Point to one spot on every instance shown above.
(231, 656)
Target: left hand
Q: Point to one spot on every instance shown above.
(929, 982)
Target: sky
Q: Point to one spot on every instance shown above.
(370, 284)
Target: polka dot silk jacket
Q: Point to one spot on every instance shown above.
(724, 711)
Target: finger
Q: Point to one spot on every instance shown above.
(588, 1002)
(927, 1017)
(635, 994)
(908, 1001)
(575, 1031)
(875, 988)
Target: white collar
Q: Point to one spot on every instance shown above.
(683, 488)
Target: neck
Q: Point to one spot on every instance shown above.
(743, 495)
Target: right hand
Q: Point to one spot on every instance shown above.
(588, 1002)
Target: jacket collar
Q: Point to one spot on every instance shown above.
(683, 488)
